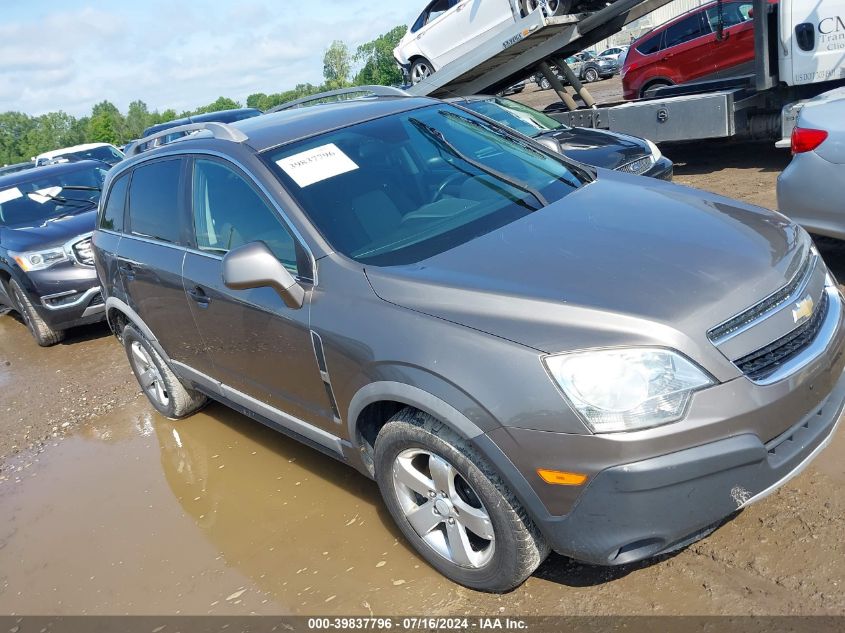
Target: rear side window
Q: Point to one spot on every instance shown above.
(650, 45)
(112, 219)
(687, 29)
(154, 201)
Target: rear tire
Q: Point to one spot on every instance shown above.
(466, 523)
(158, 382)
(44, 335)
(654, 85)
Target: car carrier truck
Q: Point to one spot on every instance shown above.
(799, 53)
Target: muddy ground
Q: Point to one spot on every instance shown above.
(105, 507)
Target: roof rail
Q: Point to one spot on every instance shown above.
(222, 131)
(363, 91)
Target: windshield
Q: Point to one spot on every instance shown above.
(514, 115)
(50, 199)
(105, 153)
(402, 188)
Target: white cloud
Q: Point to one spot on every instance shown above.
(174, 54)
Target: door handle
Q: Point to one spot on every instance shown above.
(126, 269)
(199, 295)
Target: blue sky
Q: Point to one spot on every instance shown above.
(68, 55)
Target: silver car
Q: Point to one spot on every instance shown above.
(810, 188)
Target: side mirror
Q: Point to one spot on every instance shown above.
(253, 265)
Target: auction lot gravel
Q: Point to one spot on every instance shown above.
(107, 508)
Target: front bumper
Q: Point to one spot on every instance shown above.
(66, 295)
(637, 510)
(809, 193)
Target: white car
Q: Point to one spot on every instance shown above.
(615, 52)
(445, 30)
(104, 152)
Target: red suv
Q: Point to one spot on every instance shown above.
(687, 48)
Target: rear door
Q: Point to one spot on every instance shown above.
(476, 20)
(150, 255)
(688, 53)
(259, 347)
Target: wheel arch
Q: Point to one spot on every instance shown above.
(374, 404)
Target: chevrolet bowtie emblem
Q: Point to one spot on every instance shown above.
(803, 309)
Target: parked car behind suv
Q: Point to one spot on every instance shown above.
(599, 148)
(103, 152)
(46, 264)
(525, 353)
(688, 49)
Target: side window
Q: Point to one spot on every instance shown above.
(439, 8)
(651, 45)
(687, 29)
(733, 13)
(112, 219)
(154, 201)
(228, 212)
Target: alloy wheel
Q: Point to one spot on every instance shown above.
(148, 374)
(443, 509)
(420, 71)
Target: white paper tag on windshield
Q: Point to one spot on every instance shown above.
(10, 194)
(45, 195)
(315, 165)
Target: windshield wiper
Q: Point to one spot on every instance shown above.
(438, 137)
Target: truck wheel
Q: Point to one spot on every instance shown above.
(161, 386)
(420, 69)
(591, 75)
(44, 335)
(452, 506)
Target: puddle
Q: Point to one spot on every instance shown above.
(138, 514)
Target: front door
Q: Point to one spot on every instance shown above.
(258, 346)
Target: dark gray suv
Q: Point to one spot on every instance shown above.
(526, 354)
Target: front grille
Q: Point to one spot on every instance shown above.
(765, 361)
(759, 309)
(638, 166)
(83, 252)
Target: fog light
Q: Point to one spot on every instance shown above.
(561, 477)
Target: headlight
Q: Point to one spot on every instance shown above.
(39, 260)
(655, 151)
(627, 389)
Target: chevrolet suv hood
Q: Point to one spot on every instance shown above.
(646, 251)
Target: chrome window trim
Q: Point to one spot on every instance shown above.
(234, 161)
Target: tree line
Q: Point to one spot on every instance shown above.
(23, 136)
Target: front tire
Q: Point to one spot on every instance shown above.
(553, 7)
(452, 506)
(161, 386)
(44, 335)
(421, 69)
